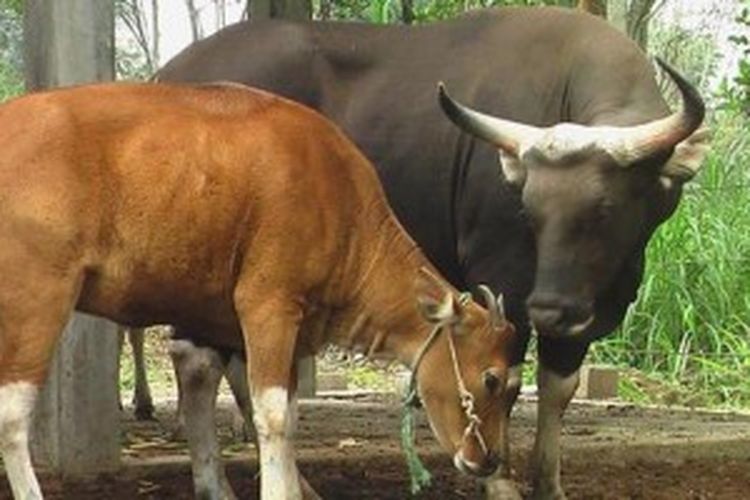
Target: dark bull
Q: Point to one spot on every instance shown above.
(565, 227)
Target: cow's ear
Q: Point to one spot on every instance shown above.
(513, 170)
(687, 158)
(435, 300)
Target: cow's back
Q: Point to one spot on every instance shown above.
(158, 193)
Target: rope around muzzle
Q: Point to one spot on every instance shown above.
(419, 476)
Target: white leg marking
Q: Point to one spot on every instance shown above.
(275, 420)
(16, 404)
(555, 392)
(199, 370)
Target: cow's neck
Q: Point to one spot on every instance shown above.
(382, 318)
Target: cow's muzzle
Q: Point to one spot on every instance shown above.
(487, 466)
(559, 317)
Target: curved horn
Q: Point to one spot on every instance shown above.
(507, 135)
(500, 305)
(641, 141)
(496, 315)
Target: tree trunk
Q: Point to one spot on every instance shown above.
(325, 11)
(155, 46)
(640, 13)
(407, 11)
(195, 21)
(596, 7)
(632, 17)
(220, 8)
(617, 14)
(132, 14)
(288, 9)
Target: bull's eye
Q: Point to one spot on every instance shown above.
(491, 381)
(605, 209)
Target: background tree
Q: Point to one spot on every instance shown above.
(596, 7)
(633, 17)
(288, 9)
(133, 15)
(11, 49)
(195, 20)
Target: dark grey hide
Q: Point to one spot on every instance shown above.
(571, 237)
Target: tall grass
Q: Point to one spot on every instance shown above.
(690, 326)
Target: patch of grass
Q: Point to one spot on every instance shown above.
(691, 323)
(371, 377)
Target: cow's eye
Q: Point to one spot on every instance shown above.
(491, 381)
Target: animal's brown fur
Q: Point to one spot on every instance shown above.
(240, 217)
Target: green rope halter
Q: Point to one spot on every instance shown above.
(419, 476)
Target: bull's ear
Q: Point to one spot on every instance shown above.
(435, 300)
(513, 169)
(687, 157)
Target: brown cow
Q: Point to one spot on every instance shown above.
(245, 220)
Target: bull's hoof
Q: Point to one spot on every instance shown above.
(308, 493)
(501, 489)
(240, 430)
(178, 434)
(548, 492)
(144, 413)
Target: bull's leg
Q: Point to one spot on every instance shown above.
(270, 329)
(500, 486)
(557, 380)
(199, 371)
(144, 406)
(178, 433)
(236, 373)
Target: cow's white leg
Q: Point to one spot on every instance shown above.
(500, 486)
(275, 417)
(16, 404)
(270, 327)
(199, 371)
(144, 405)
(555, 392)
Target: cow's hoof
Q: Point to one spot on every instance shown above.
(501, 489)
(143, 413)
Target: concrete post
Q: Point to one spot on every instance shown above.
(76, 427)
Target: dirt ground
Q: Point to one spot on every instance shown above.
(349, 448)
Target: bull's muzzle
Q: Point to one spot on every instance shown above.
(556, 317)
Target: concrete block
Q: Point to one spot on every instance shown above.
(331, 382)
(598, 382)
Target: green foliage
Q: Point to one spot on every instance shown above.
(14, 6)
(691, 322)
(735, 93)
(391, 11)
(11, 57)
(695, 54)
